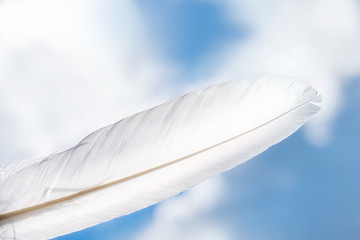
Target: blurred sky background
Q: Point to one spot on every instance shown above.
(69, 67)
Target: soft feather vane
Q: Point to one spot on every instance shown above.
(152, 155)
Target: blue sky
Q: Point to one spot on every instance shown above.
(188, 31)
(123, 57)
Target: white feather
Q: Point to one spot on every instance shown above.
(151, 156)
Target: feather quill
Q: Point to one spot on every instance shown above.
(151, 156)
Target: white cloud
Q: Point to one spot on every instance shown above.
(61, 68)
(317, 41)
(188, 215)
